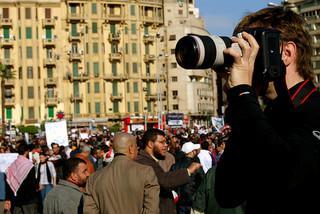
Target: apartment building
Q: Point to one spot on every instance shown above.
(95, 61)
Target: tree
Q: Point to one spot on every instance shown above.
(5, 73)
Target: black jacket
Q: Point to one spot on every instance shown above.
(272, 160)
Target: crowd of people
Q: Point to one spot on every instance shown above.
(143, 172)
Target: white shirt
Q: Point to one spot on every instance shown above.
(205, 160)
(43, 173)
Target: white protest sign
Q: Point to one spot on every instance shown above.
(6, 159)
(218, 123)
(56, 132)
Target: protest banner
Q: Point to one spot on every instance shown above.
(56, 132)
(217, 123)
(6, 159)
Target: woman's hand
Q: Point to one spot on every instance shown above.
(241, 71)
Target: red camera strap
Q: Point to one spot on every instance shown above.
(303, 93)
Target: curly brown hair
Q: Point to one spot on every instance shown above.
(292, 28)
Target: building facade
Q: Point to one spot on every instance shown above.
(97, 61)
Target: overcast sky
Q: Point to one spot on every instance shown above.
(221, 16)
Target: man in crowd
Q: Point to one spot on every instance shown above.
(124, 186)
(271, 161)
(22, 184)
(154, 148)
(67, 196)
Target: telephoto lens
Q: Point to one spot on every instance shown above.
(202, 52)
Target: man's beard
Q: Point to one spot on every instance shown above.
(157, 154)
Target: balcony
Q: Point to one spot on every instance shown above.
(151, 97)
(49, 22)
(49, 62)
(9, 102)
(76, 98)
(80, 78)
(72, 17)
(149, 58)
(115, 56)
(50, 82)
(118, 77)
(74, 37)
(7, 62)
(148, 39)
(114, 37)
(51, 101)
(7, 42)
(49, 42)
(152, 77)
(75, 56)
(9, 83)
(114, 18)
(116, 97)
(8, 92)
(6, 22)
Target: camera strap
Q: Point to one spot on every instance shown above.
(303, 93)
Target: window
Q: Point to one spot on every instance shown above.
(20, 73)
(28, 33)
(95, 48)
(96, 69)
(73, 8)
(113, 29)
(19, 29)
(96, 87)
(114, 69)
(31, 112)
(149, 106)
(9, 113)
(76, 89)
(136, 106)
(49, 72)
(47, 12)
(133, 28)
(134, 48)
(134, 67)
(174, 79)
(28, 13)
(126, 48)
(173, 65)
(172, 37)
(132, 10)
(74, 30)
(94, 27)
(87, 68)
(135, 87)
(29, 52)
(174, 93)
(48, 33)
(128, 107)
(94, 8)
(88, 87)
(89, 108)
(75, 69)
(21, 92)
(114, 88)
(97, 107)
(29, 72)
(51, 111)
(30, 92)
(6, 32)
(76, 108)
(128, 87)
(116, 107)
(5, 13)
(175, 107)
(6, 53)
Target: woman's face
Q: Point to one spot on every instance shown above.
(43, 158)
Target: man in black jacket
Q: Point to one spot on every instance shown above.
(272, 159)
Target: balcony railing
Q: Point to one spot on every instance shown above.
(49, 62)
(7, 42)
(48, 42)
(80, 78)
(148, 39)
(9, 102)
(76, 16)
(118, 77)
(8, 62)
(49, 22)
(75, 56)
(76, 98)
(116, 97)
(115, 56)
(50, 81)
(6, 22)
(114, 37)
(74, 37)
(149, 58)
(51, 100)
(9, 83)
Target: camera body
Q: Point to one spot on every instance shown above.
(203, 52)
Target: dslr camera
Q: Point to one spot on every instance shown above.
(203, 52)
